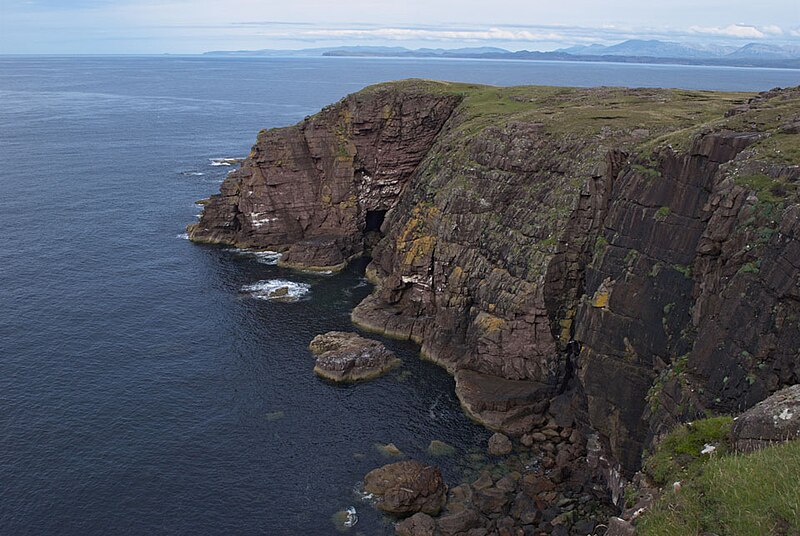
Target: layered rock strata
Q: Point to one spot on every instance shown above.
(317, 189)
(621, 259)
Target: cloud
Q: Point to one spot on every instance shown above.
(402, 34)
(772, 29)
(732, 30)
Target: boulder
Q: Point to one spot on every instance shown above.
(459, 522)
(772, 420)
(348, 357)
(407, 487)
(419, 524)
(499, 445)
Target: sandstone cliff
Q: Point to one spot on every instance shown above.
(616, 259)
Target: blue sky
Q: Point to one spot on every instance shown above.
(183, 26)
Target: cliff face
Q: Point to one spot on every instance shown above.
(617, 260)
(324, 184)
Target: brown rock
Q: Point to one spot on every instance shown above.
(407, 487)
(500, 445)
(460, 522)
(348, 357)
(490, 500)
(419, 524)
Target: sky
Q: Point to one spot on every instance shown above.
(195, 26)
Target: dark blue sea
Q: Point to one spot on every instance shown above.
(143, 389)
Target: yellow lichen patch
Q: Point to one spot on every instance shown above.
(416, 224)
(600, 298)
(325, 194)
(603, 294)
(489, 323)
(566, 327)
(419, 249)
(387, 112)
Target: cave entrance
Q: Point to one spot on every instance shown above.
(374, 220)
(372, 229)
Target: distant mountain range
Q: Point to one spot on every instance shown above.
(631, 51)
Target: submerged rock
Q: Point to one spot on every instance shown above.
(389, 450)
(407, 487)
(440, 448)
(348, 357)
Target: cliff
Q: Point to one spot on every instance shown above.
(613, 260)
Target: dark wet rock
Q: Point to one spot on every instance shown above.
(490, 500)
(347, 357)
(499, 445)
(460, 522)
(508, 483)
(483, 481)
(407, 487)
(419, 524)
(773, 420)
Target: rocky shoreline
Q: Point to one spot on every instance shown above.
(594, 266)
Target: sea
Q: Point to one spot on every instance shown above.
(147, 384)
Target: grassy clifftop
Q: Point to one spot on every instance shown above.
(581, 111)
(731, 494)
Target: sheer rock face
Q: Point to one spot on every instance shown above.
(622, 259)
(310, 186)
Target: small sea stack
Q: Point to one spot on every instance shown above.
(348, 357)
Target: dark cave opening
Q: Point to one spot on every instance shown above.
(374, 220)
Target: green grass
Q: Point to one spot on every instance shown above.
(661, 214)
(678, 454)
(735, 495)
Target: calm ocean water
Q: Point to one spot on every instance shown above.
(142, 391)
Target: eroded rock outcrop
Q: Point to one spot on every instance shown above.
(407, 487)
(605, 261)
(318, 188)
(771, 421)
(348, 357)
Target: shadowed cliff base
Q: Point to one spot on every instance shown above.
(607, 261)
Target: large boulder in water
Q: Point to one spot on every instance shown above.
(407, 487)
(772, 420)
(348, 357)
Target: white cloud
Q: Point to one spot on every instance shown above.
(497, 34)
(772, 29)
(795, 32)
(732, 30)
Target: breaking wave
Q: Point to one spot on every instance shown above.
(277, 289)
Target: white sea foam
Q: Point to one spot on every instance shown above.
(262, 256)
(224, 161)
(277, 289)
(183, 236)
(267, 257)
(193, 173)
